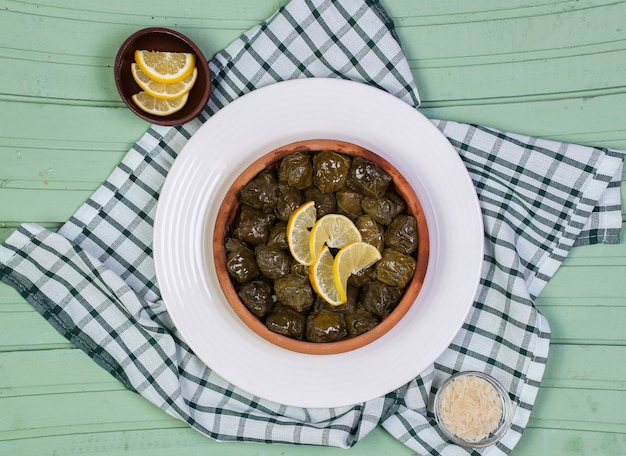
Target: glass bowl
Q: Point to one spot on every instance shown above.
(489, 437)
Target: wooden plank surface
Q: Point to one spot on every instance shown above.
(554, 69)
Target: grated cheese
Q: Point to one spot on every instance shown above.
(470, 408)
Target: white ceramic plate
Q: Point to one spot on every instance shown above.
(275, 116)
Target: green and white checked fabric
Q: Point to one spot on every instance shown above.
(94, 279)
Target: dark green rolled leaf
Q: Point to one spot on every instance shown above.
(278, 236)
(371, 231)
(240, 262)
(325, 326)
(360, 321)
(256, 296)
(367, 178)
(380, 298)
(296, 170)
(294, 291)
(349, 202)
(401, 234)
(384, 209)
(252, 225)
(325, 203)
(286, 321)
(330, 170)
(395, 268)
(273, 262)
(289, 199)
(261, 192)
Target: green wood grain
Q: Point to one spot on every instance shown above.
(166, 442)
(553, 69)
(580, 409)
(28, 330)
(574, 324)
(589, 282)
(78, 412)
(537, 441)
(589, 406)
(27, 123)
(66, 370)
(585, 366)
(183, 440)
(33, 205)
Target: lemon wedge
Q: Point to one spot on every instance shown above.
(351, 259)
(333, 230)
(158, 106)
(299, 232)
(163, 90)
(322, 278)
(168, 67)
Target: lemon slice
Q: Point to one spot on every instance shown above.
(351, 259)
(166, 91)
(322, 278)
(299, 232)
(333, 230)
(167, 67)
(158, 106)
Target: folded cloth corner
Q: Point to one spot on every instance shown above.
(94, 279)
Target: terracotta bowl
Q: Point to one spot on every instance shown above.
(162, 39)
(228, 211)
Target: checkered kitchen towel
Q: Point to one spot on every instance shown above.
(94, 279)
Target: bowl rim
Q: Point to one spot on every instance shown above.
(204, 71)
(228, 211)
(505, 421)
(329, 108)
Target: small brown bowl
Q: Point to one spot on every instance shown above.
(166, 40)
(228, 212)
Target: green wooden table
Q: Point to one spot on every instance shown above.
(550, 68)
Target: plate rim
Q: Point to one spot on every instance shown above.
(319, 86)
